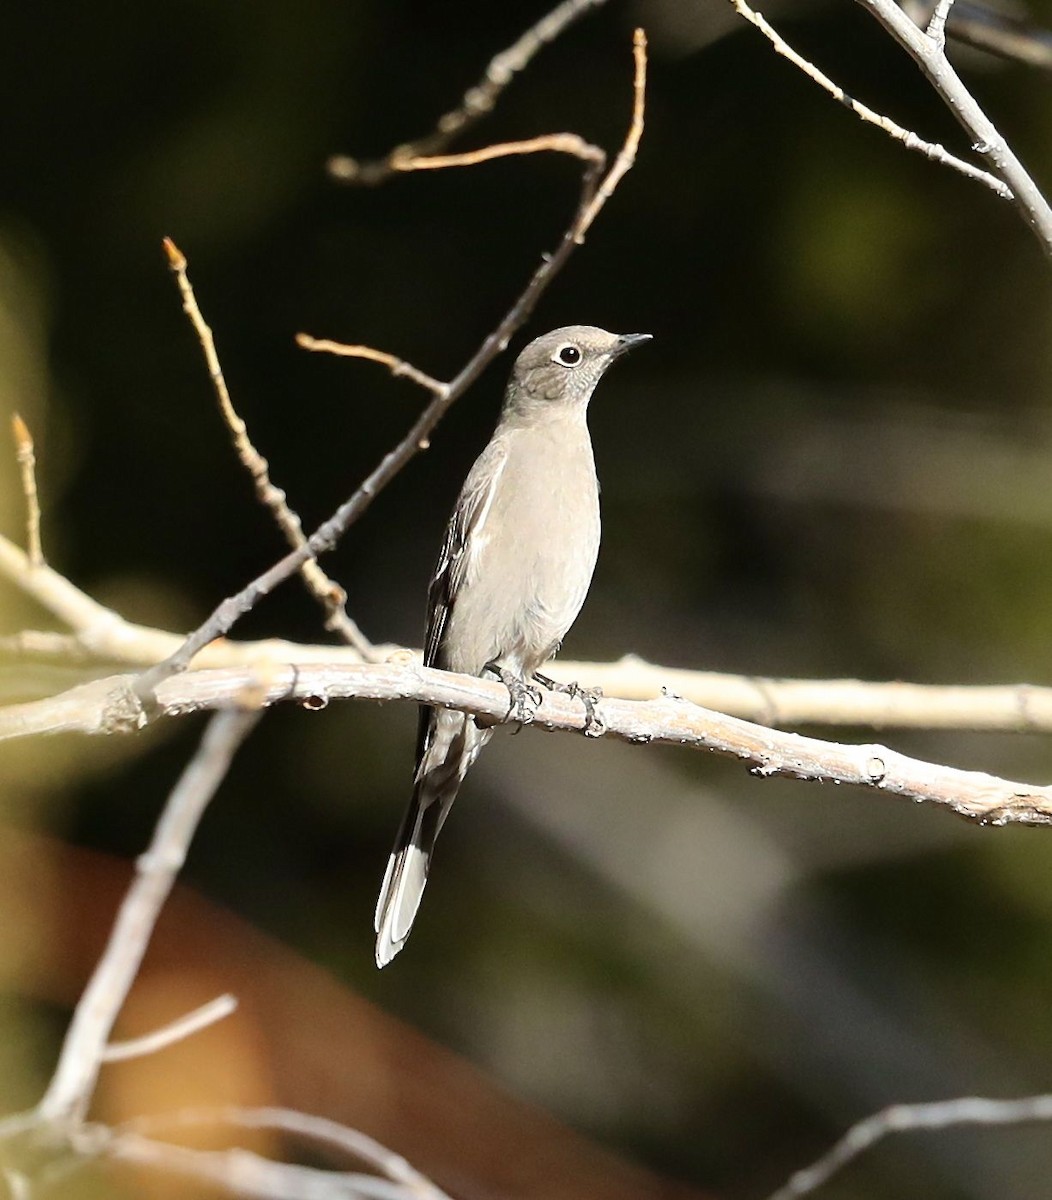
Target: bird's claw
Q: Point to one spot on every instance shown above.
(524, 699)
(594, 726)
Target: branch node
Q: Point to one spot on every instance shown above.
(123, 711)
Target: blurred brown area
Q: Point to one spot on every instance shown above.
(299, 1039)
(833, 460)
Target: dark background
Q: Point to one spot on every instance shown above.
(832, 461)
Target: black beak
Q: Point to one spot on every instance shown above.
(628, 340)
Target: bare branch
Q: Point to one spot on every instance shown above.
(27, 465)
(320, 1131)
(418, 437)
(326, 591)
(244, 1173)
(909, 139)
(109, 705)
(107, 638)
(1009, 178)
(183, 1027)
(83, 1051)
(477, 102)
(986, 140)
(901, 1118)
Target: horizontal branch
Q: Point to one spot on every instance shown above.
(111, 706)
(103, 635)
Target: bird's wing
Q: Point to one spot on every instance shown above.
(448, 742)
(465, 536)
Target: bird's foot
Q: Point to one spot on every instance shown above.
(589, 697)
(524, 700)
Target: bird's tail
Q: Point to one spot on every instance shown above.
(406, 875)
(449, 755)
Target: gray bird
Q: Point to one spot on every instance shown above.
(514, 570)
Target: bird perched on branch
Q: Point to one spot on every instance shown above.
(515, 566)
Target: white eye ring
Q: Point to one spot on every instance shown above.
(567, 355)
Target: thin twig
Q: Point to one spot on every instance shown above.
(478, 101)
(901, 1118)
(182, 1027)
(27, 465)
(326, 591)
(418, 437)
(397, 366)
(626, 157)
(108, 706)
(83, 1050)
(559, 143)
(909, 139)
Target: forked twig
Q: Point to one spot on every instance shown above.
(477, 102)
(909, 139)
(930, 55)
(326, 591)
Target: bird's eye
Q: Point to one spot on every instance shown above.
(568, 355)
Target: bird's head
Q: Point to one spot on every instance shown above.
(563, 367)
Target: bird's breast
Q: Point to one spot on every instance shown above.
(533, 559)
